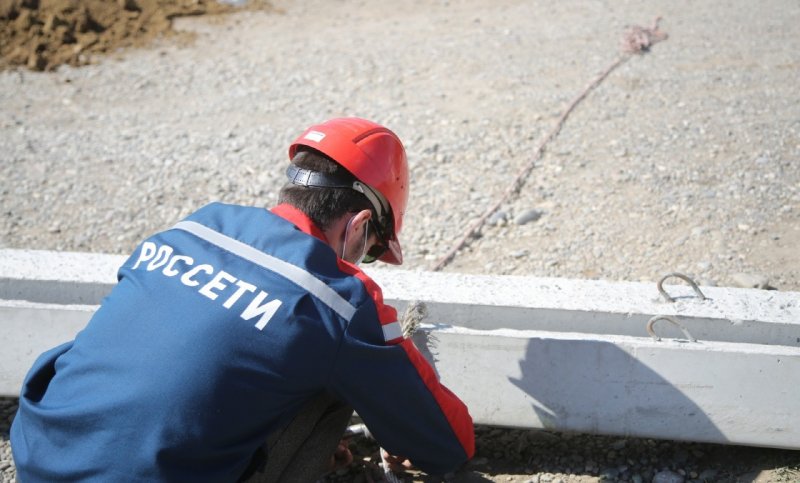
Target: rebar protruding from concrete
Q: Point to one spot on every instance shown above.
(415, 313)
(667, 297)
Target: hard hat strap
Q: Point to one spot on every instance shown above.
(375, 199)
(317, 179)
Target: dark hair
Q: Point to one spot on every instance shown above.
(322, 205)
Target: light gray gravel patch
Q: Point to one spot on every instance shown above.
(8, 408)
(687, 158)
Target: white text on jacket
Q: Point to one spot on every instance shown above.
(221, 283)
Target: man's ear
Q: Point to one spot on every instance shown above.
(360, 219)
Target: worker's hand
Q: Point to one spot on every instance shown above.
(342, 457)
(397, 464)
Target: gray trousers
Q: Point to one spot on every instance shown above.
(301, 451)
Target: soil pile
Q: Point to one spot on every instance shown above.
(43, 34)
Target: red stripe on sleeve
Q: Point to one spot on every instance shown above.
(453, 408)
(386, 313)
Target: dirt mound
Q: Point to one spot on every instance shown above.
(43, 34)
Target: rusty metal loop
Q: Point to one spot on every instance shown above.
(681, 276)
(652, 321)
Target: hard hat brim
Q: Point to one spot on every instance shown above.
(394, 254)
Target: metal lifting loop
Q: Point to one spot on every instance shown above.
(668, 318)
(681, 276)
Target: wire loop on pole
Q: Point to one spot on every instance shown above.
(668, 318)
(688, 280)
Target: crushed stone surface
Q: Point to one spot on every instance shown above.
(684, 159)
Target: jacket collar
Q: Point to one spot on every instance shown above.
(300, 220)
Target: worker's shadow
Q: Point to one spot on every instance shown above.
(574, 385)
(598, 387)
(585, 385)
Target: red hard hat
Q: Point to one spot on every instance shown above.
(375, 156)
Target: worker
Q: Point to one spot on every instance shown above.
(237, 343)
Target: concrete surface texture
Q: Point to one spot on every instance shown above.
(683, 159)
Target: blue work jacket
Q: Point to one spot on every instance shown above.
(218, 331)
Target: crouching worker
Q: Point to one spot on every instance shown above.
(238, 342)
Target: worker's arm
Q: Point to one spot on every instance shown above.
(396, 392)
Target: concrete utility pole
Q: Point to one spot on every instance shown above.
(568, 355)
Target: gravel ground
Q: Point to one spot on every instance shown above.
(683, 159)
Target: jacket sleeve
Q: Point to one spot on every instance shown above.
(396, 392)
